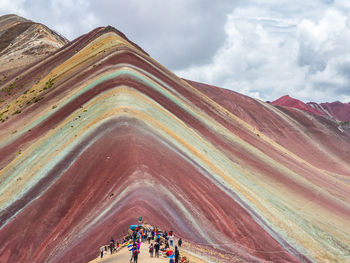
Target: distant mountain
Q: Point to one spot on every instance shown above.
(337, 110)
(288, 101)
(24, 42)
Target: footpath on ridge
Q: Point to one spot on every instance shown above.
(122, 253)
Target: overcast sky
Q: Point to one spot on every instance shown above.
(262, 48)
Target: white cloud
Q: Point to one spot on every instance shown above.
(262, 48)
(269, 53)
(178, 33)
(12, 7)
(70, 18)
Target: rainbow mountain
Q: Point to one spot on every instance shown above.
(98, 133)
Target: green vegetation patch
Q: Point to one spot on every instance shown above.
(9, 88)
(49, 83)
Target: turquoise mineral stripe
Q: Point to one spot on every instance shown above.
(59, 157)
(122, 71)
(117, 73)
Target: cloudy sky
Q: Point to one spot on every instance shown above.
(262, 48)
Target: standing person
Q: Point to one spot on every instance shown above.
(158, 238)
(116, 246)
(149, 235)
(171, 240)
(111, 247)
(156, 250)
(139, 245)
(133, 247)
(177, 255)
(135, 254)
(179, 242)
(153, 233)
(138, 236)
(151, 249)
(101, 251)
(143, 235)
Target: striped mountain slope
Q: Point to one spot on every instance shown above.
(99, 133)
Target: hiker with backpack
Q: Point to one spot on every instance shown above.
(132, 249)
(151, 249)
(135, 254)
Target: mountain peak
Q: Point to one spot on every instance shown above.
(287, 101)
(337, 110)
(10, 19)
(23, 42)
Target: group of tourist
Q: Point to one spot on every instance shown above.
(159, 242)
(112, 247)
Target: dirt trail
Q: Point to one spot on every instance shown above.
(124, 256)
